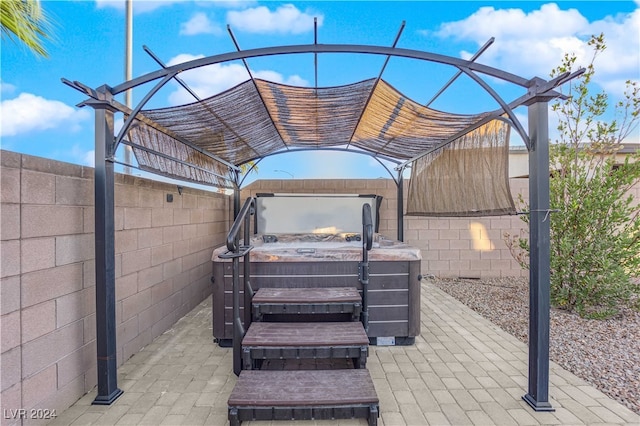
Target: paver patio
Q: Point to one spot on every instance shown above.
(462, 370)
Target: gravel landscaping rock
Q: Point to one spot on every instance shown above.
(605, 353)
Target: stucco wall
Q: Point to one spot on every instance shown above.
(163, 270)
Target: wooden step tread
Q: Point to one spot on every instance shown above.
(303, 388)
(313, 295)
(307, 334)
(307, 364)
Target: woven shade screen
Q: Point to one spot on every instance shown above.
(396, 126)
(257, 118)
(468, 177)
(319, 117)
(203, 170)
(233, 125)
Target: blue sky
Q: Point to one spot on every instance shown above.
(39, 116)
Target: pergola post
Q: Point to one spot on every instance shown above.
(539, 269)
(400, 205)
(236, 193)
(108, 390)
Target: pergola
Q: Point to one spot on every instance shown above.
(209, 140)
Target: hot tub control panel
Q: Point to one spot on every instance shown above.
(269, 238)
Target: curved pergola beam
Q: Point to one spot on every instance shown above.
(351, 151)
(138, 108)
(506, 108)
(327, 148)
(468, 67)
(323, 48)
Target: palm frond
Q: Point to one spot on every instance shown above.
(25, 21)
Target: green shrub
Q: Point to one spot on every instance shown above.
(595, 229)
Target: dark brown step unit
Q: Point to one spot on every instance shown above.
(303, 395)
(307, 364)
(304, 340)
(307, 301)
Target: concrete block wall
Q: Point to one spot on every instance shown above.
(472, 247)
(451, 247)
(47, 274)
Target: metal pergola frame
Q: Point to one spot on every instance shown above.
(539, 93)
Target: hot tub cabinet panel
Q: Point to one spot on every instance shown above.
(394, 290)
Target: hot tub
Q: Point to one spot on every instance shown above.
(331, 260)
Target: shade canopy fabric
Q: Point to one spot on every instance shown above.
(209, 141)
(258, 118)
(468, 177)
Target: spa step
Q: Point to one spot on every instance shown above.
(303, 395)
(307, 301)
(304, 340)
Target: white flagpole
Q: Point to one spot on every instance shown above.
(128, 72)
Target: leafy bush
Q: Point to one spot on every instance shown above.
(595, 231)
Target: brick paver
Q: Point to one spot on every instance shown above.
(462, 370)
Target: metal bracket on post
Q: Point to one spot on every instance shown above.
(363, 271)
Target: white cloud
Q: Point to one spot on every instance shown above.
(138, 6)
(286, 19)
(29, 112)
(229, 4)
(532, 44)
(296, 80)
(210, 80)
(502, 23)
(621, 59)
(199, 24)
(6, 88)
(276, 77)
(82, 156)
(89, 158)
